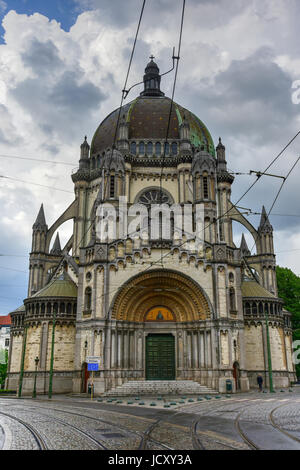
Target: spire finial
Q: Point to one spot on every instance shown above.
(152, 57)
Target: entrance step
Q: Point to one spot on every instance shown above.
(159, 387)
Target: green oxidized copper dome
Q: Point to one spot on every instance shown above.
(147, 118)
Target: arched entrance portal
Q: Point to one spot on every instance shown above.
(161, 329)
(178, 293)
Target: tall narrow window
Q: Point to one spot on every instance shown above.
(174, 148)
(141, 148)
(248, 308)
(88, 298)
(167, 148)
(205, 187)
(157, 149)
(149, 148)
(112, 187)
(133, 148)
(232, 299)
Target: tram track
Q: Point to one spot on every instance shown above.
(144, 437)
(280, 428)
(40, 441)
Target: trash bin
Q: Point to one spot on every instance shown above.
(229, 386)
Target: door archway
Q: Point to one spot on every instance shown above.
(236, 375)
(176, 291)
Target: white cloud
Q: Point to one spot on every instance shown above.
(3, 6)
(57, 86)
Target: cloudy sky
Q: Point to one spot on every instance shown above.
(62, 69)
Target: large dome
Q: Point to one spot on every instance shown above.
(147, 118)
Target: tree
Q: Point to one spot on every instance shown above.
(289, 291)
(3, 367)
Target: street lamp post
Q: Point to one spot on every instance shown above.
(35, 375)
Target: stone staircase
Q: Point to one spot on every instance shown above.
(159, 387)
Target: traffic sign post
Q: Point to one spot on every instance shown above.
(93, 363)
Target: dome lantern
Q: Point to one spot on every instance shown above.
(152, 80)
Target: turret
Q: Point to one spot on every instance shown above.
(84, 155)
(225, 181)
(244, 247)
(221, 160)
(265, 231)
(123, 144)
(39, 231)
(184, 133)
(37, 255)
(203, 172)
(56, 249)
(113, 166)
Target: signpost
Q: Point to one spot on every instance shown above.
(93, 363)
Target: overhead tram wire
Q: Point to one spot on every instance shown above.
(123, 96)
(37, 160)
(237, 202)
(276, 197)
(35, 184)
(170, 112)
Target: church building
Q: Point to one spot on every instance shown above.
(156, 309)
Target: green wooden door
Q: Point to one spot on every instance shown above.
(160, 357)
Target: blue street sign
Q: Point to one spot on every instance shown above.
(93, 367)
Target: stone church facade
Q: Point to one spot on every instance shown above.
(151, 309)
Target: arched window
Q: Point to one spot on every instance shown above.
(141, 148)
(69, 309)
(74, 309)
(266, 308)
(133, 148)
(167, 148)
(158, 149)
(260, 307)
(174, 148)
(93, 163)
(98, 161)
(62, 307)
(48, 307)
(43, 308)
(247, 308)
(88, 298)
(149, 148)
(232, 299)
(231, 277)
(254, 308)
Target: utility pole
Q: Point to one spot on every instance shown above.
(269, 352)
(22, 363)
